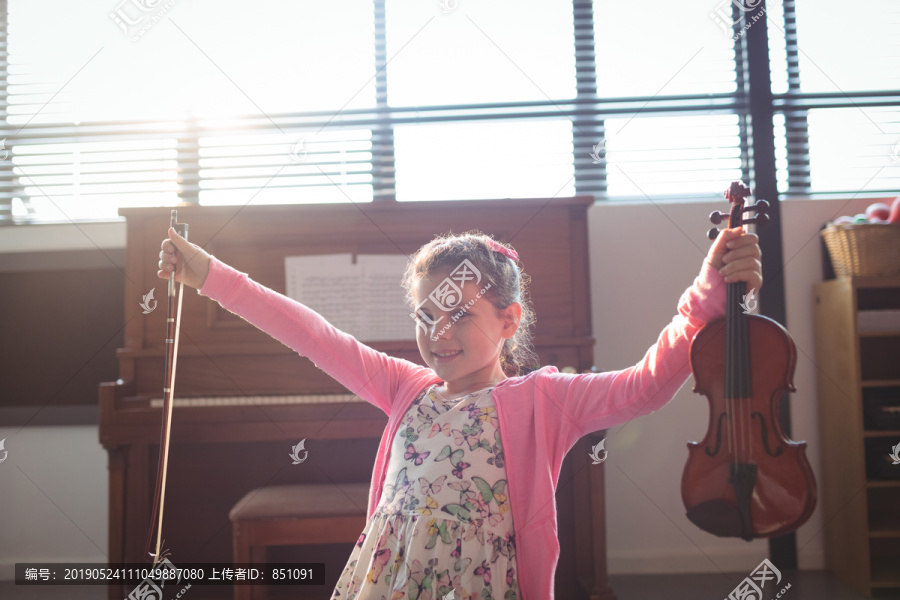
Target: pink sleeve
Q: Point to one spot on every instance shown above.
(599, 401)
(374, 376)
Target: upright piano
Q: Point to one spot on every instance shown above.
(243, 399)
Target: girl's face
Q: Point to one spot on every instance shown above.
(471, 329)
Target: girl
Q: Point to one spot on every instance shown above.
(462, 498)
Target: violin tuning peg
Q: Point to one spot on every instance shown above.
(712, 233)
(716, 217)
(760, 219)
(760, 207)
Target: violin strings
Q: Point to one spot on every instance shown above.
(740, 324)
(738, 346)
(745, 349)
(742, 401)
(745, 384)
(730, 380)
(727, 392)
(736, 350)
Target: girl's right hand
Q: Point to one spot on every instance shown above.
(191, 262)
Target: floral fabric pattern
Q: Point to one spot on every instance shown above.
(443, 525)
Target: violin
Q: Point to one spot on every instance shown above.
(746, 478)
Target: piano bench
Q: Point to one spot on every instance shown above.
(288, 515)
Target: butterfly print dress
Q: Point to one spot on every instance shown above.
(443, 523)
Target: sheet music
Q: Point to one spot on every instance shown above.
(387, 316)
(364, 300)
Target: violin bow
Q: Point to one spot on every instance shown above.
(173, 323)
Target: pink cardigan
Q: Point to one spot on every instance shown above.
(541, 414)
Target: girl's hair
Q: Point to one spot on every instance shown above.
(509, 284)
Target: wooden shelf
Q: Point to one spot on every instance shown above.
(858, 374)
(880, 383)
(891, 433)
(885, 574)
(883, 483)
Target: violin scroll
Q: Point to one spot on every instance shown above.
(736, 194)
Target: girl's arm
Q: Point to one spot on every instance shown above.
(374, 376)
(602, 400)
(599, 401)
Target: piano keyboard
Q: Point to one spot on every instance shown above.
(264, 400)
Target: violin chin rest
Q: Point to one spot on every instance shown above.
(716, 517)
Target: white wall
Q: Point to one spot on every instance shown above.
(53, 485)
(53, 497)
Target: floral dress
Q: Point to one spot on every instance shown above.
(443, 528)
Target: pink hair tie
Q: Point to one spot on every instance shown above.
(501, 249)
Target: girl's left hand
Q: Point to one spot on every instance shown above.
(736, 255)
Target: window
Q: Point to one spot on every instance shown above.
(112, 103)
(837, 82)
(151, 102)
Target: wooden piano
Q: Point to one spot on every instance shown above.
(244, 399)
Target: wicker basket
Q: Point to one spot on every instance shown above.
(864, 249)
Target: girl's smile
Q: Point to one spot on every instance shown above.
(445, 357)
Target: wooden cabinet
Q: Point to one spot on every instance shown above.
(857, 326)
